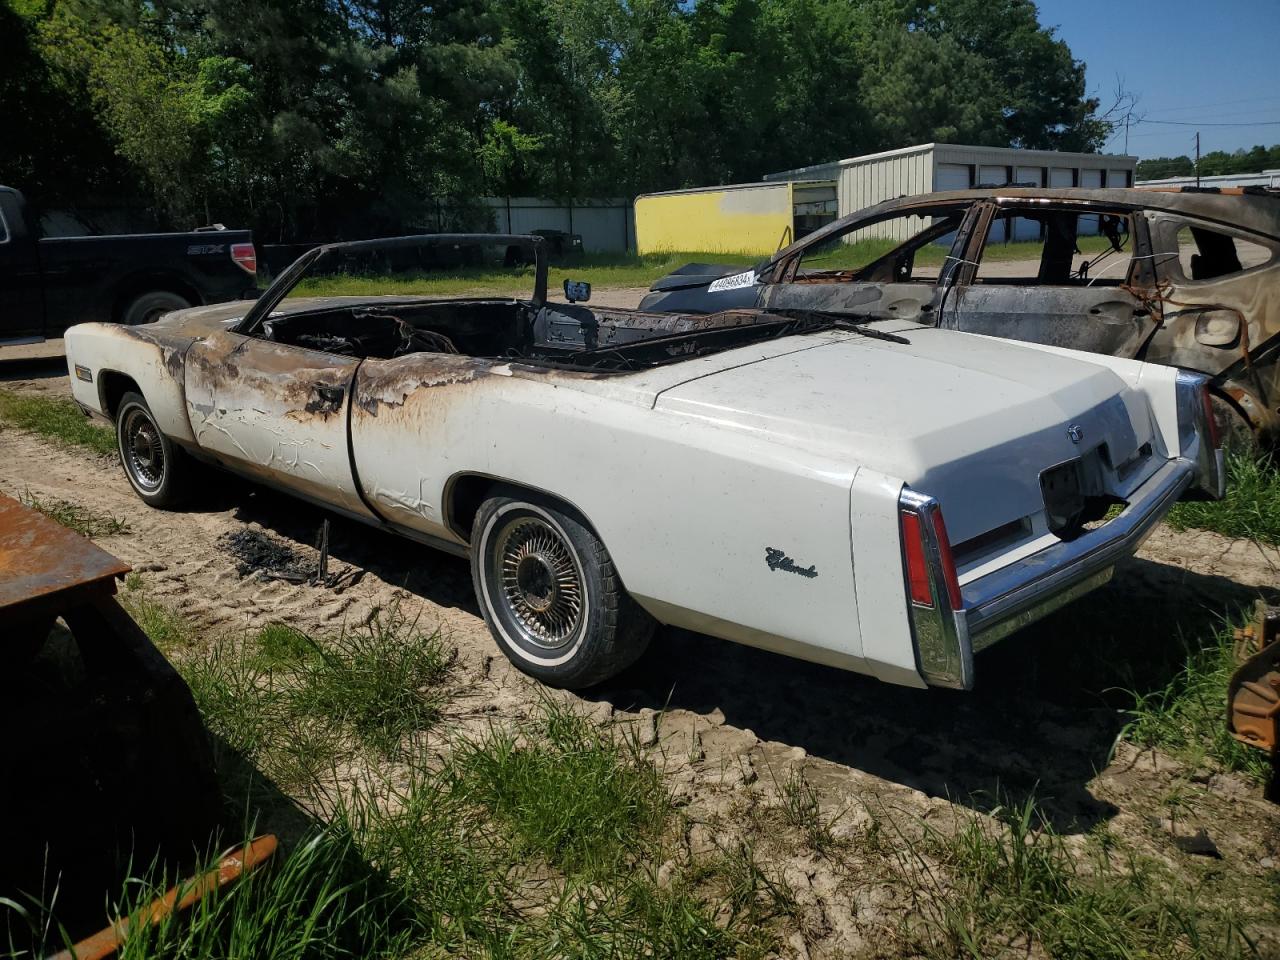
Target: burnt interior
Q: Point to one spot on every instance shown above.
(569, 335)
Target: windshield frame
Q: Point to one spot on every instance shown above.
(274, 294)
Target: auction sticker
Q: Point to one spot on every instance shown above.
(735, 282)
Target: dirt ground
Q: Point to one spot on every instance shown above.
(732, 722)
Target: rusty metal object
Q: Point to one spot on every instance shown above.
(1253, 695)
(105, 754)
(230, 868)
(40, 559)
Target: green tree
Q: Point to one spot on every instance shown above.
(52, 146)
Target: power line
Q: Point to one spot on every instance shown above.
(1195, 123)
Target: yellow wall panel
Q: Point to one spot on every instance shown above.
(754, 220)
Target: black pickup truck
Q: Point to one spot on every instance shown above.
(48, 284)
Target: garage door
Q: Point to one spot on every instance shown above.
(1024, 229)
(1060, 177)
(1089, 178)
(952, 176)
(1117, 178)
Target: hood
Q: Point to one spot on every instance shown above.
(696, 275)
(969, 420)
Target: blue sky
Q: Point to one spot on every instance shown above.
(1197, 63)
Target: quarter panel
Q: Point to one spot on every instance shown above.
(883, 619)
(688, 511)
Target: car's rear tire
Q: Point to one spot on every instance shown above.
(150, 306)
(550, 593)
(154, 465)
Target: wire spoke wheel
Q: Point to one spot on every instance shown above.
(142, 449)
(541, 581)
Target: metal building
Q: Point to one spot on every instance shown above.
(745, 218)
(1267, 178)
(606, 225)
(867, 180)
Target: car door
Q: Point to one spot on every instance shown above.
(277, 413)
(1066, 276)
(886, 264)
(1220, 289)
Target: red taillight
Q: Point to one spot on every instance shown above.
(244, 255)
(1210, 421)
(918, 562)
(948, 563)
(917, 566)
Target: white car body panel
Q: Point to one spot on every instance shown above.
(753, 494)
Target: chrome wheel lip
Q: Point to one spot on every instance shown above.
(142, 450)
(540, 582)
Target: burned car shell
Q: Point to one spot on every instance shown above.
(743, 470)
(1227, 326)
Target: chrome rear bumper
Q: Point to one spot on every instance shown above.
(1026, 590)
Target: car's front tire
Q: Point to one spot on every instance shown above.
(550, 593)
(155, 467)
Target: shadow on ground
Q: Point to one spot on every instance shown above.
(32, 368)
(1049, 705)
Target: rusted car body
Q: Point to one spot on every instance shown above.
(1185, 278)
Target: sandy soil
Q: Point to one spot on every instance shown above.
(732, 722)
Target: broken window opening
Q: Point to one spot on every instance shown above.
(876, 252)
(1057, 247)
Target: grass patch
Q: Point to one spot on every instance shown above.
(316, 900)
(297, 705)
(801, 810)
(1187, 718)
(57, 418)
(382, 681)
(168, 629)
(576, 795)
(73, 516)
(1008, 885)
(1251, 508)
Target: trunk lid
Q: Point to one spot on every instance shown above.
(971, 421)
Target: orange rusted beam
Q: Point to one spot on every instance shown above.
(106, 942)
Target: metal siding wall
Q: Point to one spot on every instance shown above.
(751, 220)
(866, 183)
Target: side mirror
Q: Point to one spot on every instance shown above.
(577, 291)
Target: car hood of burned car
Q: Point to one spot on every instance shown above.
(969, 420)
(697, 275)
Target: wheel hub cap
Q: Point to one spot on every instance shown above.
(146, 455)
(541, 582)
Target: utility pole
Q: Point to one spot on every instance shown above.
(1197, 158)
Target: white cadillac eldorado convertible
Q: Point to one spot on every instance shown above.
(775, 478)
